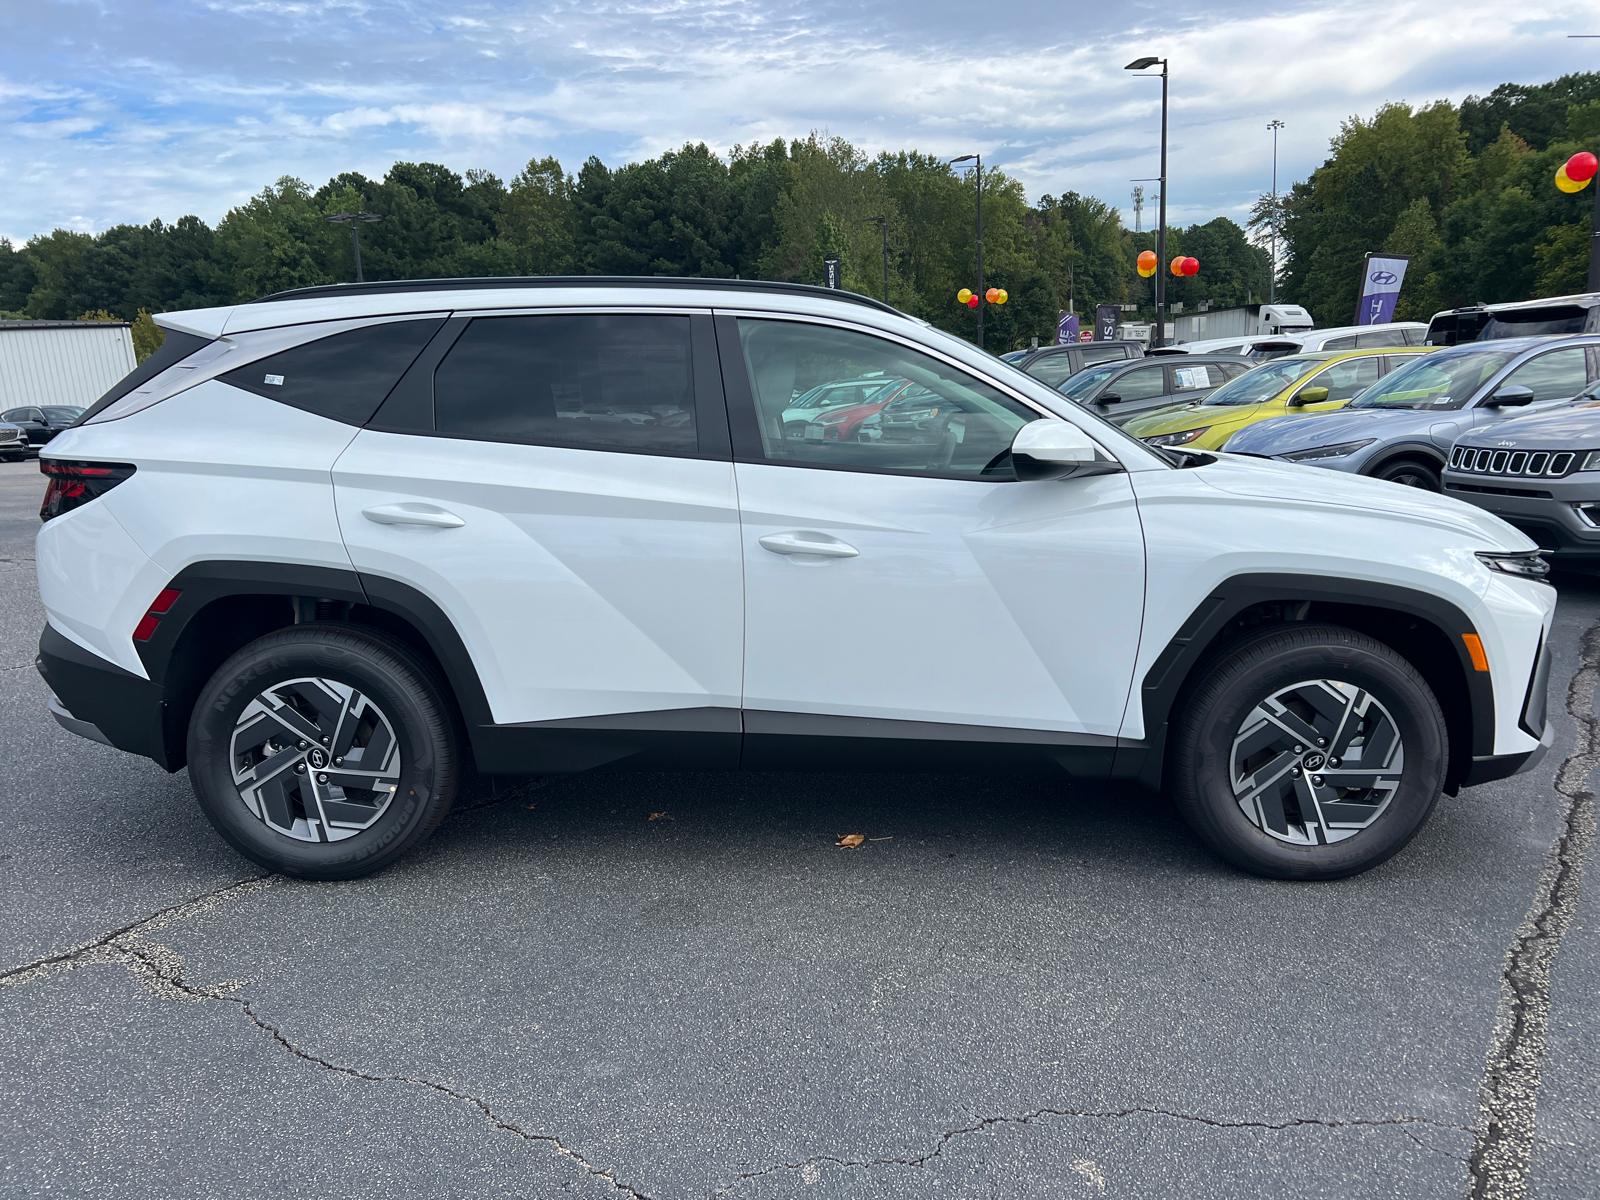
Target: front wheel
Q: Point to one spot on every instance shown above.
(1410, 474)
(1310, 752)
(323, 751)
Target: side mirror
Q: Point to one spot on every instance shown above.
(1513, 395)
(1046, 449)
(1310, 395)
(1108, 398)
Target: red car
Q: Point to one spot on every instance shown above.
(840, 425)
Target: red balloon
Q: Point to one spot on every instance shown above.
(972, 302)
(1191, 266)
(1582, 166)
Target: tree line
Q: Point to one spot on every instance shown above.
(773, 211)
(1466, 190)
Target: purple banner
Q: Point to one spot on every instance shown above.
(1066, 328)
(1381, 277)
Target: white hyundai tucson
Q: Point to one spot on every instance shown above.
(329, 548)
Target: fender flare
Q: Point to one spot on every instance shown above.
(1403, 450)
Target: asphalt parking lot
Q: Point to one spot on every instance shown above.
(678, 987)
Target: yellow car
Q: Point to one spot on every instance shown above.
(1291, 386)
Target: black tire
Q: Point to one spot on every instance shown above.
(1227, 712)
(413, 773)
(1408, 472)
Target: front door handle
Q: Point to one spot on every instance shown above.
(413, 514)
(808, 543)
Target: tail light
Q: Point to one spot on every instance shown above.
(74, 484)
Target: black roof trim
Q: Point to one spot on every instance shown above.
(674, 283)
(66, 324)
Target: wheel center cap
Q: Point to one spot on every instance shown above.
(1311, 762)
(319, 757)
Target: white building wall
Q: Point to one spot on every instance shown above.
(66, 364)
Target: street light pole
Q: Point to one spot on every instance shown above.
(355, 220)
(977, 159)
(1158, 338)
(1272, 228)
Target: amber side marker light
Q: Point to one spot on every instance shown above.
(1480, 660)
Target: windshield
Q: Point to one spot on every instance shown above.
(1081, 384)
(1264, 382)
(1443, 380)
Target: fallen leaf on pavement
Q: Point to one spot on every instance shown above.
(657, 816)
(851, 840)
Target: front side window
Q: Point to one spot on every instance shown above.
(593, 381)
(1142, 383)
(1263, 383)
(940, 421)
(1444, 380)
(1344, 379)
(1553, 376)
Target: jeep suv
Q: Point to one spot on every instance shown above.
(329, 549)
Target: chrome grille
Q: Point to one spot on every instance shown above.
(1545, 463)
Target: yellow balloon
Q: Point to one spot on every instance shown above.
(964, 295)
(1568, 184)
(1002, 296)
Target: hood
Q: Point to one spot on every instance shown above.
(1282, 435)
(1571, 427)
(1177, 417)
(1262, 478)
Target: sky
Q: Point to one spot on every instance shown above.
(119, 112)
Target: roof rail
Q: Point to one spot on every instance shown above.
(671, 282)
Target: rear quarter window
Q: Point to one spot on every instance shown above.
(345, 376)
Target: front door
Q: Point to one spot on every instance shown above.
(908, 587)
(566, 499)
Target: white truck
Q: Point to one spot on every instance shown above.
(1247, 320)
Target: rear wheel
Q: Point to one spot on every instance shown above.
(323, 751)
(1410, 473)
(1311, 752)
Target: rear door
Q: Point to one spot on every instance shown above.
(911, 588)
(559, 485)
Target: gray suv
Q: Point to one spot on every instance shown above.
(1540, 473)
(1120, 391)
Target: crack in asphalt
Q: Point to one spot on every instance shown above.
(1508, 1097)
(1029, 1117)
(160, 971)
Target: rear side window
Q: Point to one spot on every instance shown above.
(1051, 369)
(1342, 343)
(594, 381)
(1094, 354)
(176, 347)
(343, 377)
(1383, 337)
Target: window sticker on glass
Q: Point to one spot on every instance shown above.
(1193, 378)
(275, 380)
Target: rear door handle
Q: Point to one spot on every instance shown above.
(808, 543)
(413, 514)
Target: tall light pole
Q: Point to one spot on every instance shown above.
(978, 160)
(883, 223)
(355, 220)
(1158, 339)
(1274, 125)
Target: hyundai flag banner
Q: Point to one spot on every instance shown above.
(1066, 328)
(1381, 277)
(1106, 317)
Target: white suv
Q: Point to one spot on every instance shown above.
(328, 547)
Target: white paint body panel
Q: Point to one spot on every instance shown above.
(1003, 604)
(74, 364)
(582, 582)
(96, 582)
(1244, 516)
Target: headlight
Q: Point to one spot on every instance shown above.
(1591, 462)
(1525, 564)
(1175, 439)
(1317, 452)
(915, 414)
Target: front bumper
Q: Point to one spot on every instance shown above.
(1544, 509)
(1489, 767)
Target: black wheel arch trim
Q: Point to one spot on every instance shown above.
(1405, 450)
(1190, 648)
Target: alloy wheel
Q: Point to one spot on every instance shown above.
(1316, 762)
(315, 759)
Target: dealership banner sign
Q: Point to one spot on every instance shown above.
(1106, 317)
(1066, 327)
(1381, 277)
